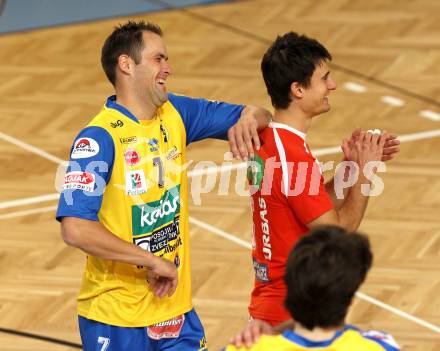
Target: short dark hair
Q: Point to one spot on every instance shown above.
(291, 58)
(323, 272)
(125, 39)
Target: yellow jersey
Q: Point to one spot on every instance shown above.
(131, 177)
(349, 338)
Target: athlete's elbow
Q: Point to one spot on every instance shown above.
(70, 233)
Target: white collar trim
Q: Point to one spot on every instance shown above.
(289, 128)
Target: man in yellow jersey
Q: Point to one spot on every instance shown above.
(124, 199)
(323, 272)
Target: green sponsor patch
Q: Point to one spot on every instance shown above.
(148, 217)
(255, 171)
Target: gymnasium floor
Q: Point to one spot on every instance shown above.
(386, 63)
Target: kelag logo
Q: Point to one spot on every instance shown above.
(147, 217)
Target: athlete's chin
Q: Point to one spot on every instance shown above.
(326, 108)
(162, 98)
(321, 111)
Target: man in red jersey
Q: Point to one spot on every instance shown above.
(289, 194)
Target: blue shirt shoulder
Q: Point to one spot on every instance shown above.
(89, 170)
(204, 118)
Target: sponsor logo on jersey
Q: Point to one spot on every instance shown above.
(153, 144)
(79, 180)
(160, 239)
(255, 172)
(84, 147)
(143, 243)
(173, 247)
(169, 329)
(117, 124)
(147, 217)
(261, 271)
(135, 183)
(128, 140)
(203, 344)
(131, 157)
(173, 153)
(381, 336)
(265, 228)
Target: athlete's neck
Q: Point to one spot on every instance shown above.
(139, 107)
(293, 117)
(316, 334)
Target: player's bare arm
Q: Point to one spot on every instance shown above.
(95, 240)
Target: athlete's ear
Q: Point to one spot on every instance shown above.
(297, 90)
(125, 63)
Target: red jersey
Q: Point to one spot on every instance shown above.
(288, 192)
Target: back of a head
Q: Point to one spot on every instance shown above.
(323, 272)
(291, 58)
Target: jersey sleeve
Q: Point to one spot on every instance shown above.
(383, 339)
(306, 193)
(204, 118)
(88, 172)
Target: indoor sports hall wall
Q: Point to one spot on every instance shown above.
(18, 15)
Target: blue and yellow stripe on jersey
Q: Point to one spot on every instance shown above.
(140, 192)
(348, 338)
